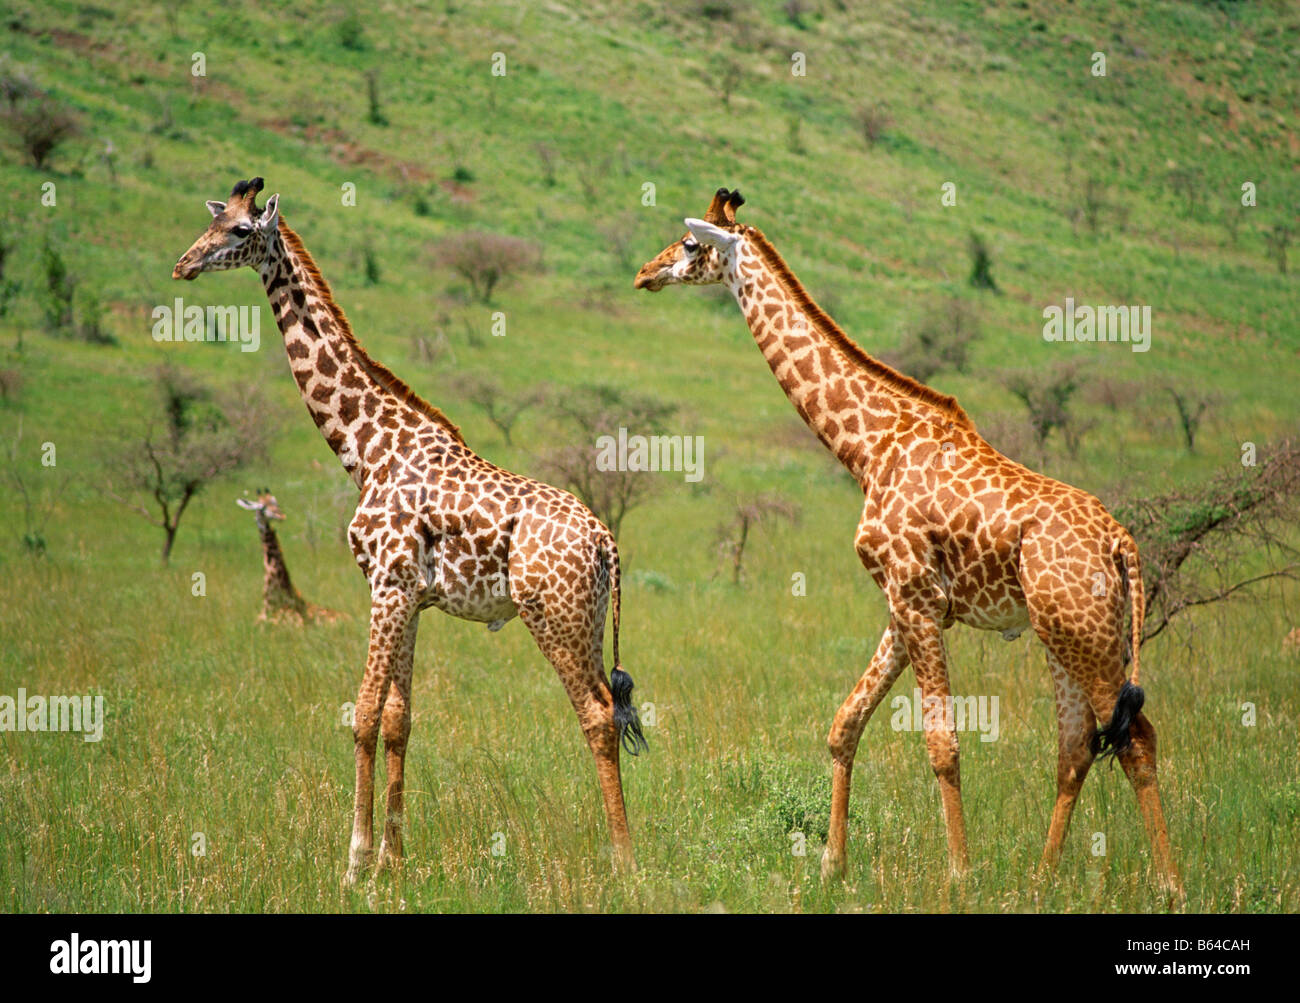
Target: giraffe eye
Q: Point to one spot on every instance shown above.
(691, 245)
(242, 230)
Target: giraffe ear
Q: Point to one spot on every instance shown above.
(245, 503)
(216, 208)
(707, 233)
(270, 218)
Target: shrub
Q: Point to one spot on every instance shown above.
(485, 260)
(940, 340)
(37, 121)
(873, 121)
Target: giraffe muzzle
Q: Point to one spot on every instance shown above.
(652, 281)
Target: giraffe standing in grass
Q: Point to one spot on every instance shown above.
(436, 526)
(281, 602)
(951, 531)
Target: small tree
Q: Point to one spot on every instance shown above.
(940, 339)
(23, 472)
(39, 125)
(1191, 541)
(873, 121)
(547, 159)
(1094, 203)
(981, 264)
(1191, 408)
(374, 113)
(60, 288)
(1188, 184)
(501, 409)
(588, 413)
(485, 260)
(1278, 238)
(9, 287)
(795, 11)
(1046, 395)
(728, 79)
(750, 512)
(194, 436)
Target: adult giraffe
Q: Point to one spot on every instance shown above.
(951, 530)
(436, 525)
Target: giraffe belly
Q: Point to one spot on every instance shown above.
(460, 582)
(1004, 614)
(998, 606)
(475, 605)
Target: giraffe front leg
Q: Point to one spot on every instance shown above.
(886, 666)
(389, 614)
(396, 729)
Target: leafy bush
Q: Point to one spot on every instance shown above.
(485, 260)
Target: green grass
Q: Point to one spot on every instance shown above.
(219, 727)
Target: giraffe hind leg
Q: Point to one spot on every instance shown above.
(1075, 752)
(396, 729)
(1135, 748)
(565, 635)
(1139, 761)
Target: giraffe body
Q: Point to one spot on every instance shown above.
(436, 526)
(951, 531)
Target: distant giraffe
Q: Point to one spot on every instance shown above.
(436, 525)
(281, 602)
(951, 530)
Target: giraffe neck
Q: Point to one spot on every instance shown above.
(277, 590)
(851, 401)
(360, 407)
(277, 574)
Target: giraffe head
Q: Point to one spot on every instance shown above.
(264, 505)
(705, 255)
(239, 234)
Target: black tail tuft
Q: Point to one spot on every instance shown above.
(1115, 737)
(625, 715)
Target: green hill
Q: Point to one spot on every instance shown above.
(389, 136)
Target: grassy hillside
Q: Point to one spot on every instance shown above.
(1116, 189)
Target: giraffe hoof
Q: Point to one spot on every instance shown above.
(358, 863)
(832, 866)
(1172, 887)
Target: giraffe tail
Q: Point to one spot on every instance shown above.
(626, 718)
(1116, 736)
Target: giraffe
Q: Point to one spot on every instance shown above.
(951, 531)
(436, 525)
(281, 602)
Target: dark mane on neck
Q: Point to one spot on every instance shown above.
(378, 372)
(895, 381)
